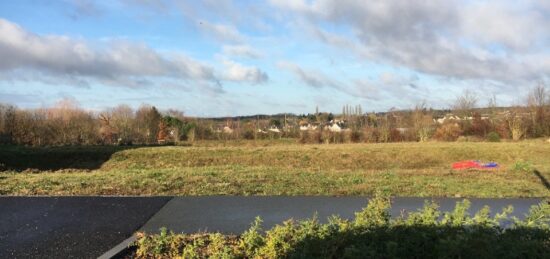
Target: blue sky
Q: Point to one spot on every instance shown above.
(223, 57)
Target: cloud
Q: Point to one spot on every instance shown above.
(311, 78)
(84, 8)
(239, 73)
(506, 24)
(127, 63)
(152, 5)
(221, 32)
(456, 39)
(228, 12)
(241, 51)
(387, 85)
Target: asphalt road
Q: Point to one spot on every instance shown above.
(70, 227)
(233, 214)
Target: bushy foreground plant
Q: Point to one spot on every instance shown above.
(427, 233)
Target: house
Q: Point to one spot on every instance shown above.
(274, 129)
(452, 117)
(308, 126)
(447, 117)
(227, 130)
(334, 127)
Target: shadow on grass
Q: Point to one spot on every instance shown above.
(20, 158)
(542, 179)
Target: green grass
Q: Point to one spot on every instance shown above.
(277, 168)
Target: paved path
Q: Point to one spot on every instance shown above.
(70, 227)
(233, 214)
(86, 227)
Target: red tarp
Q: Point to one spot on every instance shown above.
(472, 164)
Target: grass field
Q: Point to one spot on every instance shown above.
(278, 168)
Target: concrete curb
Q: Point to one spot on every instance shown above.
(125, 245)
(119, 249)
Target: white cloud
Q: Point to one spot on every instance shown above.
(126, 63)
(237, 72)
(504, 41)
(241, 51)
(312, 78)
(385, 86)
(221, 32)
(512, 25)
(63, 60)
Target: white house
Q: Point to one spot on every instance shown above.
(274, 129)
(334, 128)
(227, 130)
(308, 127)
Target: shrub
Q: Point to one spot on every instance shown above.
(251, 240)
(357, 136)
(327, 137)
(522, 166)
(448, 132)
(303, 137)
(426, 233)
(493, 137)
(371, 135)
(248, 134)
(469, 139)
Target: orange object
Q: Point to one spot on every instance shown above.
(472, 164)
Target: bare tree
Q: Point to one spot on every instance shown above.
(517, 126)
(122, 118)
(537, 102)
(538, 96)
(465, 103)
(422, 122)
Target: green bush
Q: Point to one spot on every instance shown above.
(493, 137)
(426, 233)
(522, 166)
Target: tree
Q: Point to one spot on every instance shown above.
(275, 122)
(106, 130)
(162, 132)
(73, 126)
(464, 103)
(422, 122)
(147, 120)
(7, 123)
(330, 117)
(517, 126)
(537, 102)
(122, 119)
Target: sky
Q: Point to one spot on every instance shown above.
(229, 57)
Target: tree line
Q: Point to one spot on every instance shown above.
(66, 123)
